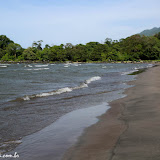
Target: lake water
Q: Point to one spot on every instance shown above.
(34, 96)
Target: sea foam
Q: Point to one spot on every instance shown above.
(3, 66)
(93, 79)
(59, 91)
(44, 65)
(62, 90)
(37, 69)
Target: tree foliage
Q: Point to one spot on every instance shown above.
(136, 47)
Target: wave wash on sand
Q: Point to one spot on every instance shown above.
(130, 129)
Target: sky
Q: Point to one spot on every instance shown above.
(75, 21)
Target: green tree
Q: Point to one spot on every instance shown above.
(14, 50)
(29, 54)
(108, 41)
(4, 41)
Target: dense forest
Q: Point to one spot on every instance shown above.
(133, 48)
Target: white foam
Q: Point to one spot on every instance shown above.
(3, 66)
(66, 66)
(44, 65)
(37, 69)
(26, 98)
(59, 91)
(30, 66)
(75, 64)
(63, 90)
(45, 94)
(83, 85)
(93, 79)
(129, 72)
(104, 67)
(150, 65)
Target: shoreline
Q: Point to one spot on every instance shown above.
(59, 62)
(129, 129)
(55, 145)
(111, 121)
(98, 140)
(29, 130)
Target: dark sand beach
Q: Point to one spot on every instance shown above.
(130, 130)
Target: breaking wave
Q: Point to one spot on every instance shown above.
(129, 72)
(136, 69)
(3, 66)
(93, 79)
(61, 90)
(44, 65)
(37, 69)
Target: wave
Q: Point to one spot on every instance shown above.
(44, 65)
(76, 64)
(3, 66)
(150, 65)
(36, 69)
(129, 72)
(137, 69)
(30, 66)
(61, 90)
(88, 81)
(66, 65)
(45, 94)
(132, 71)
(93, 79)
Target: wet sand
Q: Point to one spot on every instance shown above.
(130, 130)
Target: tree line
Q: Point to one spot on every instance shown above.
(133, 48)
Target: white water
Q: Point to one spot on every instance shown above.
(63, 90)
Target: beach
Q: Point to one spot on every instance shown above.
(73, 111)
(129, 130)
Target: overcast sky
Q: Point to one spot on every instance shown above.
(75, 21)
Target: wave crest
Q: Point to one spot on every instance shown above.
(93, 79)
(62, 90)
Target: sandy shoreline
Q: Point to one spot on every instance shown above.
(130, 129)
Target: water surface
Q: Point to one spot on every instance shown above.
(32, 96)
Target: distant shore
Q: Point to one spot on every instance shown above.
(130, 129)
(57, 62)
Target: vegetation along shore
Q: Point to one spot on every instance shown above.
(134, 48)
